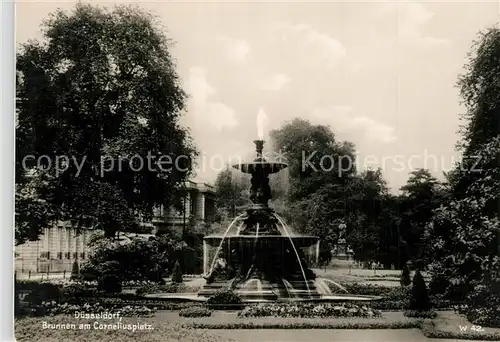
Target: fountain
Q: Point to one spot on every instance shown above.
(258, 256)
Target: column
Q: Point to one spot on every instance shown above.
(68, 243)
(187, 204)
(77, 245)
(317, 252)
(205, 257)
(46, 242)
(200, 206)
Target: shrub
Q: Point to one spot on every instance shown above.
(53, 308)
(75, 271)
(17, 303)
(89, 272)
(147, 288)
(309, 310)
(368, 289)
(195, 311)
(77, 292)
(419, 300)
(41, 292)
(484, 304)
(420, 314)
(109, 284)
(177, 273)
(225, 300)
(405, 279)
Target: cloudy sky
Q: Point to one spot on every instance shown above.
(381, 74)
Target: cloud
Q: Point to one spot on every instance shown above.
(217, 113)
(275, 82)
(321, 47)
(237, 50)
(412, 17)
(341, 118)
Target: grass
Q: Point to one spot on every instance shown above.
(168, 326)
(229, 320)
(31, 329)
(448, 325)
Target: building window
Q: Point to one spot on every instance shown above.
(59, 255)
(82, 255)
(45, 255)
(68, 255)
(75, 255)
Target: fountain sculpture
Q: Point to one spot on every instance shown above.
(258, 256)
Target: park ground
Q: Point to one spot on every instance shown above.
(226, 326)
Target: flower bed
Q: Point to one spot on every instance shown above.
(225, 300)
(53, 308)
(369, 289)
(168, 288)
(420, 314)
(308, 311)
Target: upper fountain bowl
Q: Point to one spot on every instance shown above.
(261, 165)
(272, 164)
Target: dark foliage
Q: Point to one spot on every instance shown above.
(225, 300)
(405, 276)
(109, 284)
(177, 273)
(75, 270)
(419, 300)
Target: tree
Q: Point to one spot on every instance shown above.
(314, 159)
(230, 193)
(466, 231)
(419, 200)
(314, 156)
(131, 258)
(96, 98)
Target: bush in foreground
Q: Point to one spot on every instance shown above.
(484, 304)
(75, 271)
(309, 310)
(405, 279)
(419, 300)
(177, 273)
(225, 300)
(109, 284)
(195, 311)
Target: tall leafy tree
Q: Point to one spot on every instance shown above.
(230, 193)
(314, 156)
(100, 98)
(466, 231)
(420, 197)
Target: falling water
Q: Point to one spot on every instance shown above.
(296, 254)
(289, 288)
(239, 228)
(250, 281)
(222, 241)
(323, 289)
(322, 283)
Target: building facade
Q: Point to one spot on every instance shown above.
(60, 246)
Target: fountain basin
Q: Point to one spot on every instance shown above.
(194, 297)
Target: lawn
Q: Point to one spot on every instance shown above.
(224, 326)
(31, 329)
